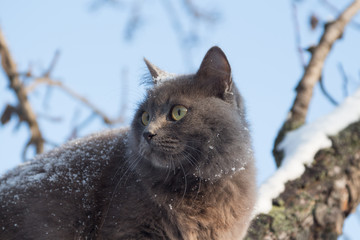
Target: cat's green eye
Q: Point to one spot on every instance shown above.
(178, 112)
(145, 118)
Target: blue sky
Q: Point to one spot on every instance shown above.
(258, 38)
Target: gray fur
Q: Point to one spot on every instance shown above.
(194, 179)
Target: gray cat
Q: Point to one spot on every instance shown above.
(184, 170)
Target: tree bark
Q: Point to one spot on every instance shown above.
(315, 205)
(24, 109)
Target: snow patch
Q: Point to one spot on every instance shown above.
(164, 76)
(45, 166)
(301, 145)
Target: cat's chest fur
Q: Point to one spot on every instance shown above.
(215, 214)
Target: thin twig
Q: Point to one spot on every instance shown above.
(100, 3)
(74, 129)
(85, 122)
(196, 13)
(345, 79)
(178, 29)
(38, 81)
(124, 91)
(297, 114)
(52, 65)
(134, 20)
(49, 118)
(298, 35)
(326, 93)
(25, 109)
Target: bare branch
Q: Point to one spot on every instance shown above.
(25, 110)
(333, 8)
(60, 85)
(78, 126)
(333, 31)
(297, 114)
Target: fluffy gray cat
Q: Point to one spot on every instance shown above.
(184, 170)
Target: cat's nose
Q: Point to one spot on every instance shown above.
(148, 136)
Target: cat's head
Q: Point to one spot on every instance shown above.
(191, 121)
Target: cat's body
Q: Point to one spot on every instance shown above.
(186, 173)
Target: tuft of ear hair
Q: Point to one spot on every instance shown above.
(157, 74)
(215, 71)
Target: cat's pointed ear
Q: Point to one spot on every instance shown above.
(215, 71)
(156, 73)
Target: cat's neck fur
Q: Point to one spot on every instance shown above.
(197, 206)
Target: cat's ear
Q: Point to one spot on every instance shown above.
(156, 73)
(215, 72)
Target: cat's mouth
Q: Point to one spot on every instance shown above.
(160, 154)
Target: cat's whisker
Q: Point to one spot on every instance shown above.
(193, 159)
(189, 157)
(193, 148)
(123, 163)
(185, 182)
(174, 168)
(190, 161)
(168, 171)
(173, 165)
(118, 170)
(133, 166)
(136, 161)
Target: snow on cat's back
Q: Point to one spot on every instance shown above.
(58, 186)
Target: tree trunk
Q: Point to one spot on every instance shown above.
(315, 205)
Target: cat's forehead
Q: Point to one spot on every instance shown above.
(178, 88)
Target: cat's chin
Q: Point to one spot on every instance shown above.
(159, 163)
(157, 157)
(157, 160)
